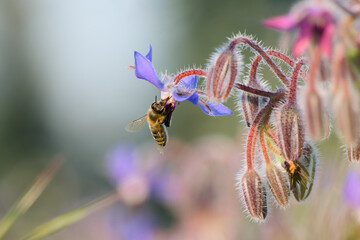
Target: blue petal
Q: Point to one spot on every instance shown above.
(149, 54)
(214, 109)
(194, 98)
(181, 97)
(189, 81)
(145, 70)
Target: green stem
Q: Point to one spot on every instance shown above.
(72, 217)
(26, 201)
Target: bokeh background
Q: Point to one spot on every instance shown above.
(65, 87)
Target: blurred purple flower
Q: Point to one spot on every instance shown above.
(139, 226)
(351, 188)
(133, 224)
(160, 184)
(313, 23)
(122, 163)
(131, 178)
(184, 90)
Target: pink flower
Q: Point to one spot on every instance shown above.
(314, 23)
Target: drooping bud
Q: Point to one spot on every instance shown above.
(354, 152)
(290, 131)
(345, 109)
(254, 195)
(251, 103)
(222, 75)
(278, 184)
(317, 121)
(301, 180)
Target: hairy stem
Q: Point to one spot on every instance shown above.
(263, 54)
(293, 83)
(189, 73)
(286, 59)
(254, 67)
(263, 147)
(264, 113)
(254, 90)
(269, 132)
(250, 146)
(273, 53)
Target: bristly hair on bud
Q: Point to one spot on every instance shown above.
(275, 178)
(251, 103)
(289, 124)
(254, 195)
(222, 73)
(278, 184)
(290, 132)
(354, 152)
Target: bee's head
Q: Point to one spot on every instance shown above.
(159, 106)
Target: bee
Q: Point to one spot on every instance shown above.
(302, 172)
(158, 117)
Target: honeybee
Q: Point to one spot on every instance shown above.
(158, 117)
(302, 172)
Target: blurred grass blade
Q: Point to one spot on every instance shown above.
(24, 203)
(69, 218)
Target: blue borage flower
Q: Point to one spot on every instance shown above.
(185, 89)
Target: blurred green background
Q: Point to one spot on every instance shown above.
(65, 85)
(64, 81)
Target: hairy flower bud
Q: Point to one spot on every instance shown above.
(302, 189)
(222, 75)
(278, 185)
(290, 131)
(345, 109)
(315, 117)
(354, 152)
(254, 195)
(251, 103)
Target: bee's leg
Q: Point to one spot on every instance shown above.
(167, 120)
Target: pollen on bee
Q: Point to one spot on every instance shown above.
(292, 167)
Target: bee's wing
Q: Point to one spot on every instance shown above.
(136, 125)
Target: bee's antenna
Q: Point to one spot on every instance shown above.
(155, 98)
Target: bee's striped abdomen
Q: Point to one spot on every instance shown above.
(159, 134)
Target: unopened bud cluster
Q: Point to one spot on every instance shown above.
(282, 124)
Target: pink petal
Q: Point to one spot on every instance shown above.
(326, 40)
(282, 22)
(302, 42)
